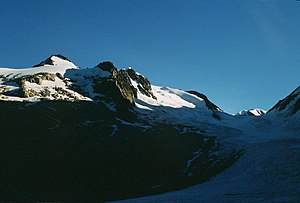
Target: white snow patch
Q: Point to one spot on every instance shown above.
(197, 154)
(88, 122)
(134, 124)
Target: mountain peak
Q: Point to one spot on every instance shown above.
(251, 112)
(55, 59)
(107, 66)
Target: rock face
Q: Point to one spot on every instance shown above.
(36, 78)
(108, 66)
(124, 85)
(118, 86)
(144, 84)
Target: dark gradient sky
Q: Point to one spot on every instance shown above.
(241, 54)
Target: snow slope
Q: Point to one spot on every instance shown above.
(269, 171)
(61, 66)
(175, 106)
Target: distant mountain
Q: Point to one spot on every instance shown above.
(251, 112)
(103, 133)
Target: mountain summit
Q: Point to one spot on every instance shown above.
(56, 59)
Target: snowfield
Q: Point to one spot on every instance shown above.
(174, 106)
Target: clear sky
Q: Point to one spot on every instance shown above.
(241, 54)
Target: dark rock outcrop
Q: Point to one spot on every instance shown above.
(124, 85)
(144, 84)
(36, 78)
(118, 86)
(108, 66)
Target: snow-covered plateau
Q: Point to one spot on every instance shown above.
(122, 138)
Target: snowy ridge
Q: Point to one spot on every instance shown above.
(12, 73)
(175, 105)
(59, 78)
(72, 83)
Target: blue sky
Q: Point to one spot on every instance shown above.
(241, 54)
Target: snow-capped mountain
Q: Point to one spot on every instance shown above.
(57, 78)
(104, 133)
(43, 81)
(251, 112)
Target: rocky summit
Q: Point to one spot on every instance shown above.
(106, 133)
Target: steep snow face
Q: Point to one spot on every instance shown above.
(287, 106)
(208, 103)
(251, 112)
(159, 103)
(285, 114)
(174, 105)
(57, 59)
(168, 97)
